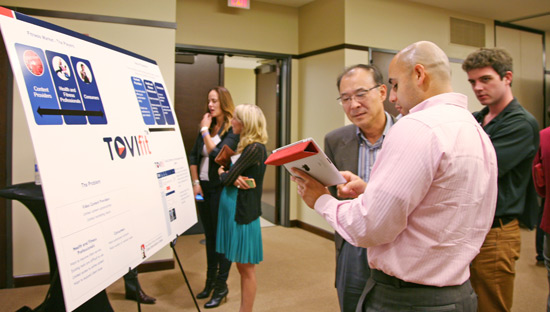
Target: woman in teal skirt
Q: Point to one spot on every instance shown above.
(239, 235)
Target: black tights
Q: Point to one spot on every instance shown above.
(217, 265)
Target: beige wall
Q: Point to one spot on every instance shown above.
(265, 27)
(294, 199)
(321, 25)
(318, 111)
(394, 24)
(163, 10)
(29, 254)
(527, 84)
(240, 82)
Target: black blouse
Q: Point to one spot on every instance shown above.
(250, 164)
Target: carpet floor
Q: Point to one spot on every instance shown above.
(297, 274)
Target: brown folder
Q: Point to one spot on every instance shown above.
(224, 156)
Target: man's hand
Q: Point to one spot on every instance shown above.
(353, 188)
(308, 188)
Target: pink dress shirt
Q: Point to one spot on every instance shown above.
(430, 199)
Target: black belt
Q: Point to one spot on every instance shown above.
(502, 220)
(384, 278)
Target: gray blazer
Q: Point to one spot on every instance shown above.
(342, 147)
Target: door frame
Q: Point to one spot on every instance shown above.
(282, 199)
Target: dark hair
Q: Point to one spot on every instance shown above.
(376, 74)
(226, 105)
(499, 59)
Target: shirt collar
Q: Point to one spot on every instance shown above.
(452, 98)
(512, 106)
(389, 123)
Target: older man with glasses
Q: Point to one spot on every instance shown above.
(431, 196)
(354, 148)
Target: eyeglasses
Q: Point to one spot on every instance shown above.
(359, 96)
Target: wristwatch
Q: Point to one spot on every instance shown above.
(196, 182)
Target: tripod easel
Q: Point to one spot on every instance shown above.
(173, 246)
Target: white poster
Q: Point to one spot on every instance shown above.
(113, 166)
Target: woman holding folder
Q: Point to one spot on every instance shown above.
(239, 233)
(215, 132)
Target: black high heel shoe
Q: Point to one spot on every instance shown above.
(205, 293)
(141, 297)
(219, 294)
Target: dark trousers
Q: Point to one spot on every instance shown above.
(547, 264)
(352, 273)
(387, 293)
(217, 264)
(539, 236)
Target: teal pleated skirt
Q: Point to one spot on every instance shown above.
(241, 243)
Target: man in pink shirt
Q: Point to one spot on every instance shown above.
(431, 196)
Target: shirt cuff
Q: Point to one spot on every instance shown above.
(326, 206)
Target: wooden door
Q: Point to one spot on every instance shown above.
(193, 80)
(192, 83)
(267, 98)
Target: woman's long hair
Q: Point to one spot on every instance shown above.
(254, 125)
(226, 105)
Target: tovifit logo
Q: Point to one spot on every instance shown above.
(136, 145)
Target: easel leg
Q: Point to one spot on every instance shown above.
(173, 245)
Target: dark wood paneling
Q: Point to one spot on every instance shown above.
(191, 93)
(6, 87)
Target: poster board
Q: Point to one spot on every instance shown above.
(113, 166)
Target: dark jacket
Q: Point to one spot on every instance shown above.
(229, 138)
(515, 136)
(250, 164)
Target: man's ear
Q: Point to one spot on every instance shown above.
(508, 77)
(383, 91)
(419, 73)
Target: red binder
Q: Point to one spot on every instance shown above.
(307, 156)
(293, 152)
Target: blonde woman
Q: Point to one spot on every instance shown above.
(239, 235)
(215, 132)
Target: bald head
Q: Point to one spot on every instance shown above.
(429, 55)
(423, 69)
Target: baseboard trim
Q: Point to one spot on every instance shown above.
(31, 280)
(312, 229)
(158, 265)
(44, 278)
